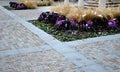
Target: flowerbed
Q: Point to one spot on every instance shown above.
(15, 6)
(27, 4)
(65, 29)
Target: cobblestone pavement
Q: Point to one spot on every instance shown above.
(25, 48)
(106, 53)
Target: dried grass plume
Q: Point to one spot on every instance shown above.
(29, 3)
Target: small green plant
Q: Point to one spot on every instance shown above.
(9, 8)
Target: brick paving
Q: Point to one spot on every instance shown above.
(43, 61)
(14, 35)
(106, 53)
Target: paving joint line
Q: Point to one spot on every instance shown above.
(74, 57)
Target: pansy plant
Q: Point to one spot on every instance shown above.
(112, 23)
(17, 6)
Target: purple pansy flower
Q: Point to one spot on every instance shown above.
(17, 5)
(89, 22)
(112, 23)
(60, 22)
(72, 21)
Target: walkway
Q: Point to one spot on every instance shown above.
(25, 48)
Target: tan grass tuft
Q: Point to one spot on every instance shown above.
(29, 3)
(85, 14)
(75, 13)
(88, 14)
(62, 9)
(44, 2)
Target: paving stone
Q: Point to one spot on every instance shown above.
(105, 53)
(15, 36)
(48, 61)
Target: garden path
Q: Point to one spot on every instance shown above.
(25, 48)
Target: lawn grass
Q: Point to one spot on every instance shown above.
(65, 36)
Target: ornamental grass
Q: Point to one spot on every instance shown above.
(44, 2)
(62, 10)
(80, 14)
(31, 4)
